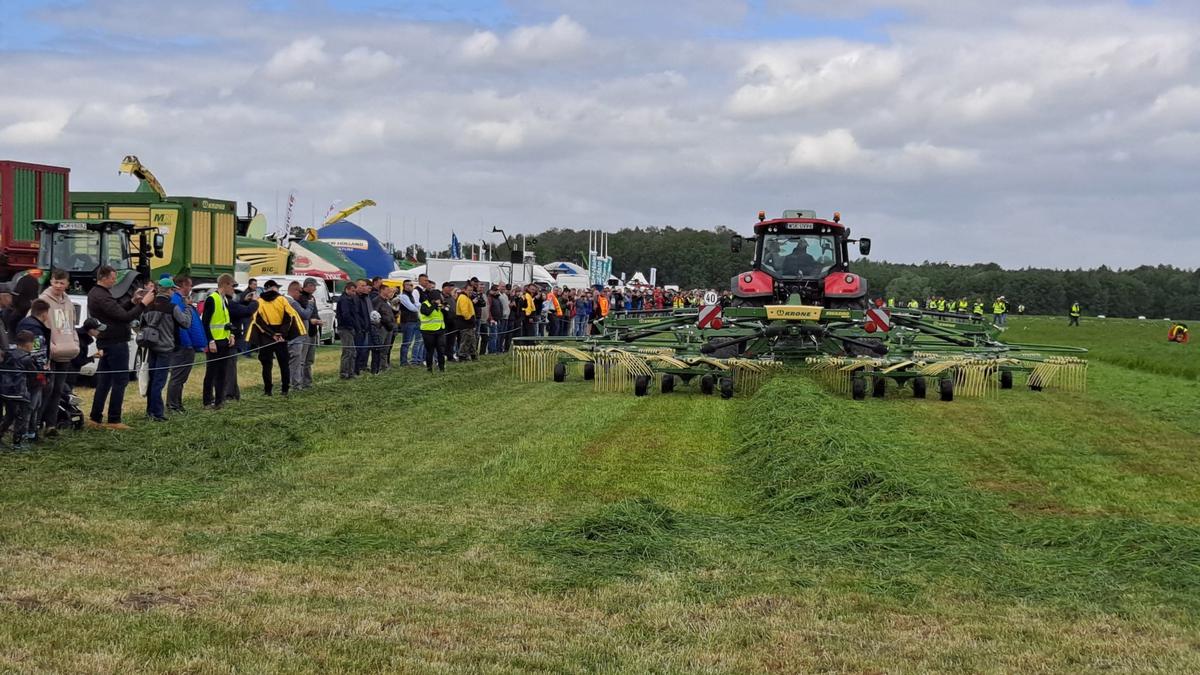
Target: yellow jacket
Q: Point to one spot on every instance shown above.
(465, 308)
(274, 315)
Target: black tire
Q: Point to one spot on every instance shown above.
(1035, 387)
(726, 387)
(641, 385)
(668, 383)
(919, 387)
(858, 388)
(1006, 379)
(707, 385)
(853, 303)
(589, 371)
(560, 372)
(878, 387)
(946, 389)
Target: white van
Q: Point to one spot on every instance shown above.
(325, 307)
(81, 315)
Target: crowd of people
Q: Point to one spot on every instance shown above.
(170, 328)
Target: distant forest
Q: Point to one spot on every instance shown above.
(701, 259)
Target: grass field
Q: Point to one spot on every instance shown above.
(467, 522)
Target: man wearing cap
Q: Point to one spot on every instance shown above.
(87, 337)
(113, 370)
(190, 341)
(275, 323)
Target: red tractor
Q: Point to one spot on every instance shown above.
(801, 255)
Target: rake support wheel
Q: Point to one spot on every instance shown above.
(589, 371)
(707, 385)
(878, 387)
(641, 385)
(560, 372)
(1006, 379)
(726, 387)
(668, 383)
(919, 387)
(858, 388)
(946, 389)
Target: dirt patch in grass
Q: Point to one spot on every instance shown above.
(144, 601)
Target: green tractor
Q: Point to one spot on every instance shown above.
(80, 247)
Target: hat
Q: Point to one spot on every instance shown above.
(309, 281)
(93, 324)
(166, 283)
(271, 283)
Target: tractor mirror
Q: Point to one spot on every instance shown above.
(864, 246)
(160, 243)
(735, 243)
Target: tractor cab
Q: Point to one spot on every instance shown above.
(800, 255)
(80, 247)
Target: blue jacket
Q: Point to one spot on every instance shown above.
(349, 314)
(41, 340)
(191, 337)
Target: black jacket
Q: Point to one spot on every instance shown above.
(116, 315)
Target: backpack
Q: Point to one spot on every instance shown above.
(153, 336)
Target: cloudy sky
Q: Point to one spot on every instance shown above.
(1062, 134)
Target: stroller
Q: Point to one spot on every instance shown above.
(70, 414)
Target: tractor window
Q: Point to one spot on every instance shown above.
(793, 256)
(73, 251)
(116, 250)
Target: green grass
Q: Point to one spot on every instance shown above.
(469, 522)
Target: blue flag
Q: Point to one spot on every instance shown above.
(455, 247)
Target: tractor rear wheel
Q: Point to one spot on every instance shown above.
(641, 385)
(668, 383)
(726, 387)
(560, 372)
(1006, 379)
(918, 387)
(858, 388)
(878, 387)
(946, 388)
(707, 384)
(589, 371)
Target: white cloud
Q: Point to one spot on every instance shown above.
(296, 57)
(33, 132)
(789, 78)
(364, 63)
(559, 39)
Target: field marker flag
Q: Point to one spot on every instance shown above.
(455, 246)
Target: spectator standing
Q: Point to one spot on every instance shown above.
(274, 325)
(505, 320)
(385, 330)
(433, 327)
(218, 330)
(113, 369)
(64, 346)
(349, 320)
(315, 327)
(18, 369)
(190, 341)
(249, 298)
(364, 339)
(299, 345)
(35, 324)
(86, 334)
(410, 325)
(242, 307)
(160, 330)
(468, 341)
(25, 290)
(450, 298)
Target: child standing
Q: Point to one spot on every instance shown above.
(18, 368)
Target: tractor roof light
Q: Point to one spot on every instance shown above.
(837, 216)
(762, 215)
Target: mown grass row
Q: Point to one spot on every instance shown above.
(850, 495)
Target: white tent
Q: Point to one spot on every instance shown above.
(638, 279)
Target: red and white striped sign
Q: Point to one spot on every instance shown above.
(710, 316)
(878, 319)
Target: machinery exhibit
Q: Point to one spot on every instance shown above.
(801, 307)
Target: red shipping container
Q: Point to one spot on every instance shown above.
(28, 192)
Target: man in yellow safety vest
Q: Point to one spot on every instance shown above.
(219, 332)
(1075, 311)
